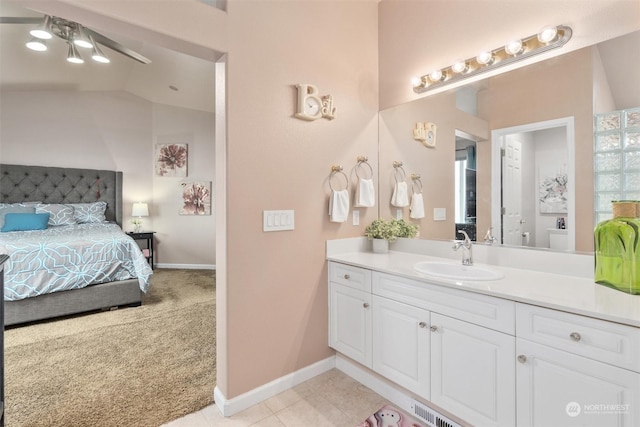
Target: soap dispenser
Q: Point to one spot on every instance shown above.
(617, 248)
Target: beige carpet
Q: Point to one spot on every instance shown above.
(139, 366)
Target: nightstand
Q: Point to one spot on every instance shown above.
(147, 250)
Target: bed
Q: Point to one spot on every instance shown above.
(50, 187)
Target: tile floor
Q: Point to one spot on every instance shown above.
(332, 399)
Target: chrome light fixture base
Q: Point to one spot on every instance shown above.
(500, 57)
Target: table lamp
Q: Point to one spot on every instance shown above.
(139, 210)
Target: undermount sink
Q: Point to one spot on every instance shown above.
(457, 271)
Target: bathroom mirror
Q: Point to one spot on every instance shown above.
(575, 85)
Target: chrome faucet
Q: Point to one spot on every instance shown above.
(489, 237)
(467, 253)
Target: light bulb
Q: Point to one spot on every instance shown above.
(37, 44)
(514, 47)
(416, 81)
(460, 66)
(485, 58)
(436, 76)
(547, 34)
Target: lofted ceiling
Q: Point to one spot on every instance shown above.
(172, 78)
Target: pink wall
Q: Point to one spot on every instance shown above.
(277, 282)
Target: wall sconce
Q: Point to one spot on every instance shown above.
(425, 133)
(548, 38)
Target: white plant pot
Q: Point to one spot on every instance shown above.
(380, 246)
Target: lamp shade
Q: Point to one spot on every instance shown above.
(140, 209)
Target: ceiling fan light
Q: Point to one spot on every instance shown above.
(73, 56)
(80, 38)
(97, 54)
(39, 45)
(43, 31)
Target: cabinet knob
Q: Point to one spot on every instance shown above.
(575, 336)
(422, 324)
(433, 328)
(522, 358)
(365, 305)
(346, 276)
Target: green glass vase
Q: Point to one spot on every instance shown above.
(617, 253)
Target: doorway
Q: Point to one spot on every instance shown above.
(533, 184)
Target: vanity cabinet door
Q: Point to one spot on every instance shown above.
(472, 372)
(350, 322)
(557, 388)
(401, 344)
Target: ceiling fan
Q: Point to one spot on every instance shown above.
(74, 34)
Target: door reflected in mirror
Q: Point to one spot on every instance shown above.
(465, 194)
(533, 185)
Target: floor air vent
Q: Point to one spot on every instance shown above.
(431, 417)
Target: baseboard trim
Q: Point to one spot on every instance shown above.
(187, 266)
(376, 384)
(246, 400)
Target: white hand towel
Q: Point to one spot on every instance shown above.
(417, 206)
(400, 196)
(339, 206)
(365, 194)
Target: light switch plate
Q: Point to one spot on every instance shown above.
(439, 214)
(398, 213)
(356, 217)
(277, 220)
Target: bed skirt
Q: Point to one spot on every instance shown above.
(91, 298)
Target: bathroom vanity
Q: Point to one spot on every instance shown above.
(530, 349)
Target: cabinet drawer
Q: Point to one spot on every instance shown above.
(354, 277)
(483, 310)
(608, 342)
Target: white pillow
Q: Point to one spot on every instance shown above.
(58, 214)
(89, 212)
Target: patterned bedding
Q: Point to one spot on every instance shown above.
(69, 257)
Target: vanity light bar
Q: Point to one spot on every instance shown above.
(515, 50)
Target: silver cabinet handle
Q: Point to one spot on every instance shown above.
(522, 358)
(575, 336)
(346, 276)
(433, 328)
(422, 324)
(365, 305)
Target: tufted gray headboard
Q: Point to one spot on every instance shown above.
(20, 183)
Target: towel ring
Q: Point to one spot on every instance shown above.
(416, 182)
(363, 160)
(338, 170)
(399, 171)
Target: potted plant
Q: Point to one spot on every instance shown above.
(382, 231)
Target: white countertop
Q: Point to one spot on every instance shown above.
(570, 293)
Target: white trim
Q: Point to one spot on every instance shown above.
(497, 137)
(376, 384)
(187, 266)
(229, 407)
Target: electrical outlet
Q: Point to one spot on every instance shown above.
(356, 217)
(439, 214)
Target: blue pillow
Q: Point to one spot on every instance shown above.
(25, 221)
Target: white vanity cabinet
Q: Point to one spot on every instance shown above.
(401, 344)
(575, 371)
(451, 347)
(350, 312)
(472, 371)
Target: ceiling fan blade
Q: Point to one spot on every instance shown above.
(19, 20)
(114, 45)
